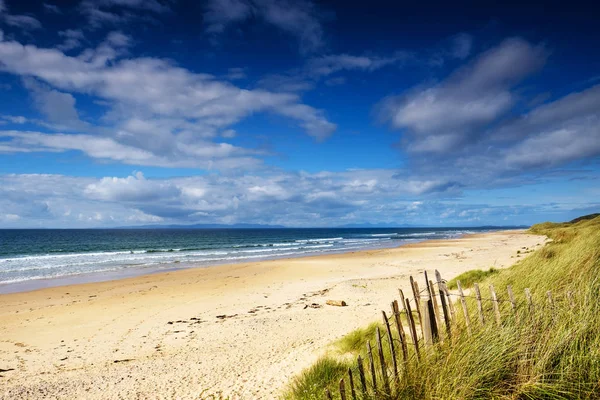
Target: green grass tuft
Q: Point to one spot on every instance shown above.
(467, 279)
(311, 383)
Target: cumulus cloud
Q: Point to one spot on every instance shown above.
(283, 198)
(277, 197)
(445, 116)
(149, 97)
(300, 18)
(57, 106)
(471, 129)
(555, 133)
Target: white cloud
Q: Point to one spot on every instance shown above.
(148, 97)
(443, 117)
(14, 119)
(555, 133)
(52, 8)
(300, 18)
(291, 199)
(131, 189)
(102, 12)
(275, 197)
(330, 64)
(73, 39)
(24, 22)
(57, 106)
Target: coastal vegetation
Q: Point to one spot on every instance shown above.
(550, 351)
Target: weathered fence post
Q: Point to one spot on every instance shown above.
(511, 297)
(431, 310)
(479, 305)
(351, 380)
(450, 302)
(496, 305)
(372, 366)
(402, 299)
(384, 375)
(392, 347)
(438, 277)
(426, 327)
(464, 307)
(400, 330)
(361, 375)
(417, 296)
(412, 328)
(436, 307)
(342, 389)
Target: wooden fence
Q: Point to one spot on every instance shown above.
(434, 309)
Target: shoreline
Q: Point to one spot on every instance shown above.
(137, 271)
(241, 330)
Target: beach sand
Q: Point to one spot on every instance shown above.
(242, 330)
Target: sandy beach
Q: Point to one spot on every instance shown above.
(240, 331)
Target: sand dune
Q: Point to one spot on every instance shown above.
(240, 330)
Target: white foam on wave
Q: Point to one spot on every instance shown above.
(319, 240)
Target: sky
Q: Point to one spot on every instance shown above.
(297, 113)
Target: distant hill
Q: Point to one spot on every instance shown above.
(585, 217)
(205, 226)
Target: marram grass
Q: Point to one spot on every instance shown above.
(546, 352)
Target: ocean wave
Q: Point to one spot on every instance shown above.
(319, 240)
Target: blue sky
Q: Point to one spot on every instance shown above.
(297, 113)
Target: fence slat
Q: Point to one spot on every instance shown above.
(361, 375)
(433, 325)
(392, 347)
(438, 278)
(463, 303)
(384, 375)
(372, 366)
(402, 299)
(417, 295)
(412, 328)
(436, 306)
(450, 302)
(496, 305)
(400, 330)
(479, 305)
(342, 389)
(351, 381)
(511, 297)
(426, 327)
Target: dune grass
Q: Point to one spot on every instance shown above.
(467, 279)
(547, 352)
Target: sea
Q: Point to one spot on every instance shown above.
(35, 258)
